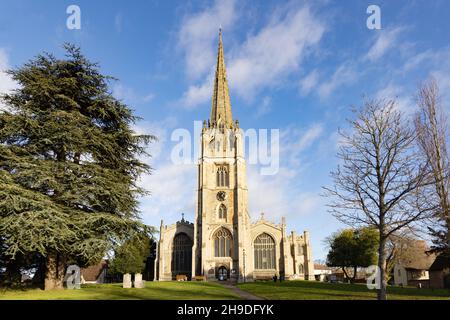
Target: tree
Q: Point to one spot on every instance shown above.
(131, 256)
(69, 163)
(433, 135)
(378, 182)
(352, 248)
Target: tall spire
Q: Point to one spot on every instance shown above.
(221, 105)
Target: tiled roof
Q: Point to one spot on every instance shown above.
(91, 273)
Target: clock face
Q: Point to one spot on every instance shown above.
(221, 195)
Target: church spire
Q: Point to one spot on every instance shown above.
(221, 105)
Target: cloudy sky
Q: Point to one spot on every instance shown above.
(296, 66)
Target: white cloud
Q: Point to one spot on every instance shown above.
(308, 83)
(431, 62)
(386, 39)
(118, 22)
(172, 190)
(443, 80)
(276, 196)
(280, 195)
(198, 34)
(294, 141)
(6, 83)
(160, 130)
(345, 74)
(129, 95)
(417, 60)
(197, 94)
(437, 61)
(265, 59)
(397, 93)
(264, 107)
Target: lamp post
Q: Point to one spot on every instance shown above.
(243, 254)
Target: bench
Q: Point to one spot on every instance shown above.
(200, 278)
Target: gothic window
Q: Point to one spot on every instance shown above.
(222, 179)
(264, 247)
(222, 243)
(181, 255)
(222, 211)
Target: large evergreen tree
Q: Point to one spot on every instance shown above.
(69, 163)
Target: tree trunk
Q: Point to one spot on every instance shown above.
(39, 276)
(381, 293)
(54, 274)
(345, 273)
(13, 276)
(355, 272)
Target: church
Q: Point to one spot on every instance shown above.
(224, 243)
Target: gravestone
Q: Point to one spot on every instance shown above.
(127, 280)
(138, 283)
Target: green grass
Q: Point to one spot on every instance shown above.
(152, 291)
(312, 290)
(288, 290)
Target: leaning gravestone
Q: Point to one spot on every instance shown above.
(127, 280)
(138, 283)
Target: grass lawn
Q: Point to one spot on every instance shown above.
(312, 290)
(288, 290)
(152, 290)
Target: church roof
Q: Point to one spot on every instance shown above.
(221, 105)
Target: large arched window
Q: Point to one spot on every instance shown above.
(222, 179)
(222, 211)
(264, 247)
(222, 243)
(181, 255)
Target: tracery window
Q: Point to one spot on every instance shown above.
(222, 243)
(181, 255)
(222, 211)
(222, 177)
(264, 247)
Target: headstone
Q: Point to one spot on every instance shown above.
(127, 280)
(138, 283)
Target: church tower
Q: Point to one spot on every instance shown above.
(222, 221)
(222, 243)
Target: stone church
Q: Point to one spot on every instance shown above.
(223, 243)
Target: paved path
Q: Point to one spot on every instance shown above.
(241, 293)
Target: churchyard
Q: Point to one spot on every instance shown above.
(172, 290)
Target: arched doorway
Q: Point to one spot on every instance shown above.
(182, 255)
(222, 273)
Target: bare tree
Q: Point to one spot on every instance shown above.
(433, 137)
(397, 248)
(379, 179)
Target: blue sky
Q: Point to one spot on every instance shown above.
(295, 66)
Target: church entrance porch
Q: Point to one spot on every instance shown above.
(222, 274)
